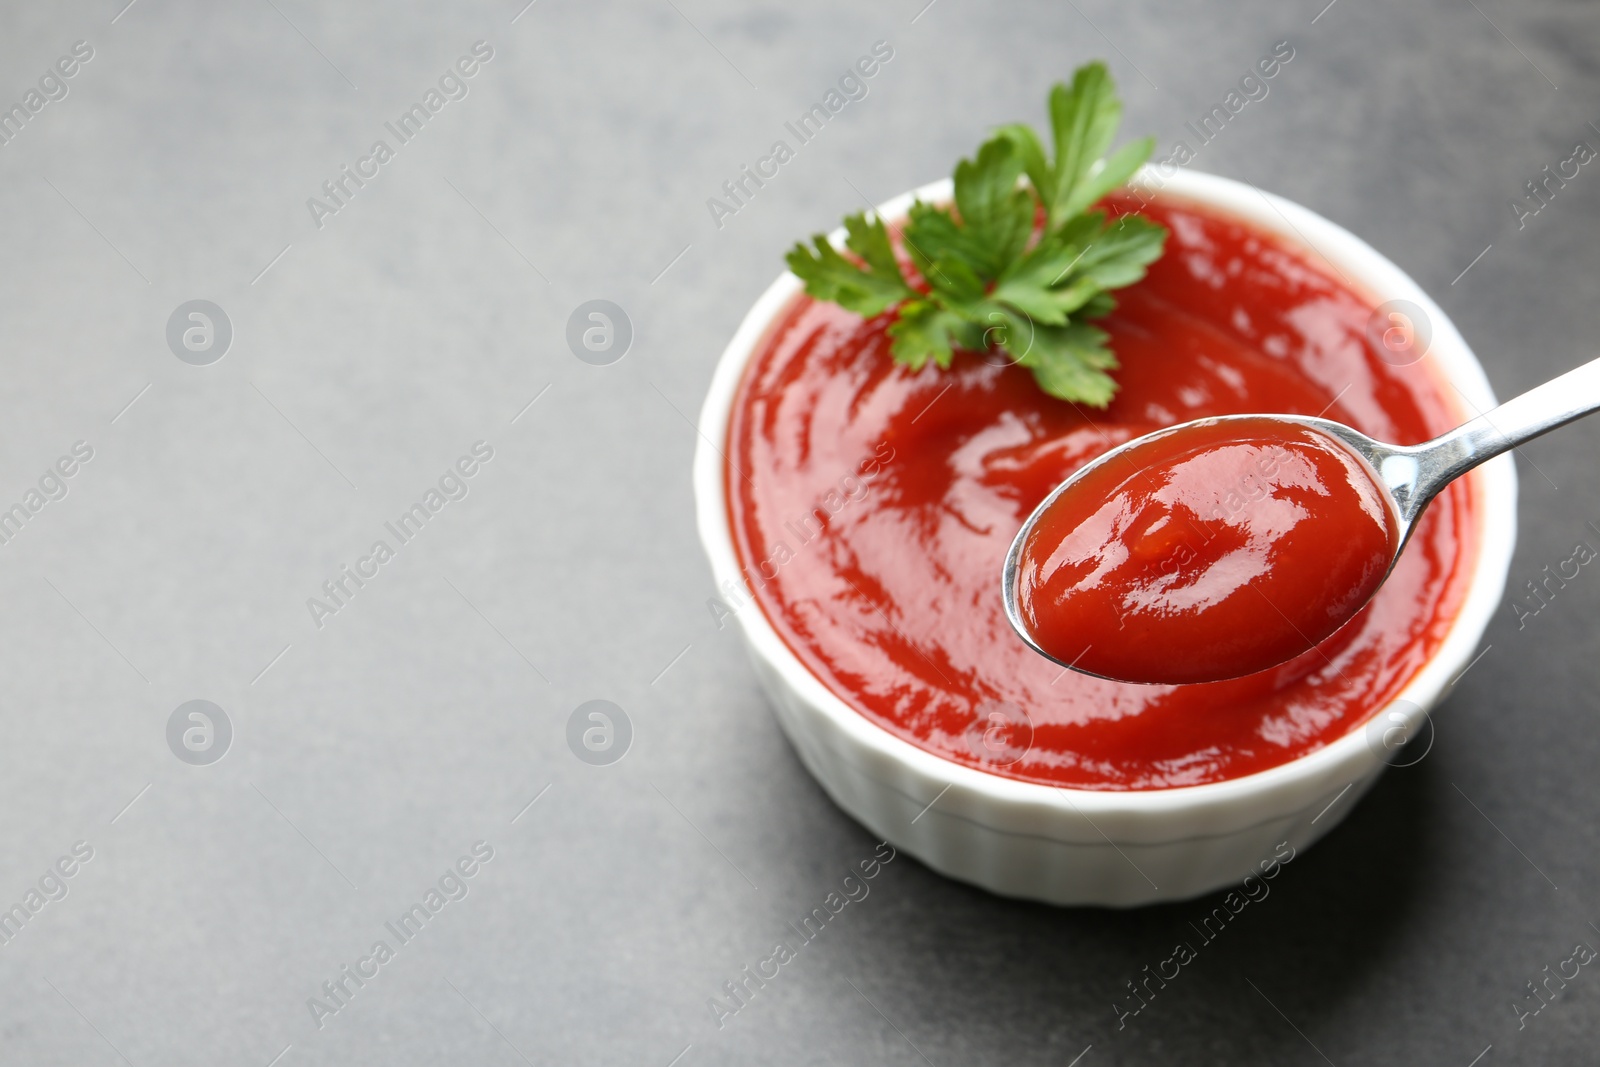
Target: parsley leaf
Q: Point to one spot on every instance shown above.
(923, 331)
(1012, 265)
(869, 288)
(1083, 120)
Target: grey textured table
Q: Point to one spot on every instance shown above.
(372, 346)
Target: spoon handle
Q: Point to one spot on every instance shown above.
(1522, 418)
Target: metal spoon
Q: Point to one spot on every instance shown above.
(1411, 475)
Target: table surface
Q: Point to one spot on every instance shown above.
(372, 744)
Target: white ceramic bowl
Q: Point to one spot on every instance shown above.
(1074, 846)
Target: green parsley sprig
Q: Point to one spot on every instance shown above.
(1012, 265)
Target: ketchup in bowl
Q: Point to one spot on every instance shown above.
(872, 508)
(1210, 551)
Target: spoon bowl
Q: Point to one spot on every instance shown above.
(1111, 533)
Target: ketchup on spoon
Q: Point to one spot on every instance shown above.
(1206, 552)
(1134, 569)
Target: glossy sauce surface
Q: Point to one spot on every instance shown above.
(872, 509)
(1207, 552)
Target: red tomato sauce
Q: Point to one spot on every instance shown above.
(1210, 552)
(872, 508)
